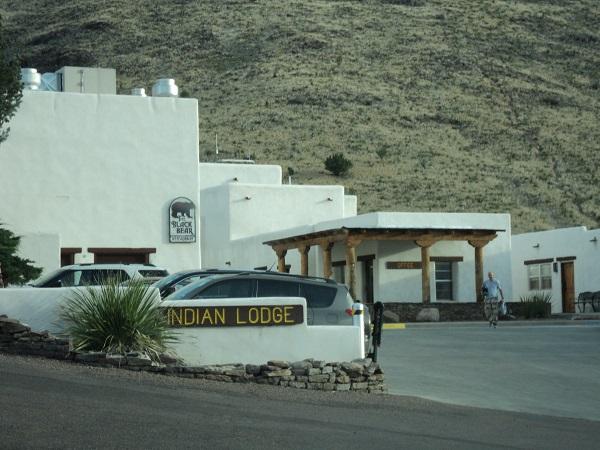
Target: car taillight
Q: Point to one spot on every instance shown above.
(349, 312)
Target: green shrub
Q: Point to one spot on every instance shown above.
(537, 305)
(338, 164)
(116, 319)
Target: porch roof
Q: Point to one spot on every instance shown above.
(395, 226)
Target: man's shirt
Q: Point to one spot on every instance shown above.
(493, 288)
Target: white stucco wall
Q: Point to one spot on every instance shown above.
(553, 244)
(275, 208)
(44, 249)
(101, 170)
(39, 308)
(258, 344)
(350, 205)
(214, 174)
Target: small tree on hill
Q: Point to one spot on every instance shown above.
(338, 164)
(10, 84)
(15, 270)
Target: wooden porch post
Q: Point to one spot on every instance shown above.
(281, 252)
(478, 244)
(425, 268)
(351, 245)
(304, 249)
(326, 249)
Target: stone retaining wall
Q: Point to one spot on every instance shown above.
(362, 375)
(407, 312)
(448, 312)
(17, 338)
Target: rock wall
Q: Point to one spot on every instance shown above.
(17, 338)
(362, 375)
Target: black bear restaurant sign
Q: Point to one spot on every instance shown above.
(182, 220)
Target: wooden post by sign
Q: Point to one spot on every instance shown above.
(326, 249)
(281, 252)
(425, 290)
(304, 249)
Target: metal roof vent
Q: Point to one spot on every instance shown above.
(139, 92)
(31, 79)
(165, 87)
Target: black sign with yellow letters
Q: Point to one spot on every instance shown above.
(234, 316)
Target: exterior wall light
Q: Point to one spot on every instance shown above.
(536, 246)
(329, 199)
(235, 179)
(247, 197)
(594, 239)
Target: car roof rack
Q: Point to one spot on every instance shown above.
(282, 274)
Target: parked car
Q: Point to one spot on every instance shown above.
(178, 280)
(95, 274)
(327, 302)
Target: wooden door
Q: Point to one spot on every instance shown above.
(567, 279)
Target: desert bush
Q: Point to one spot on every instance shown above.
(116, 319)
(537, 305)
(338, 164)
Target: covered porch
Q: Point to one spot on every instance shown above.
(352, 237)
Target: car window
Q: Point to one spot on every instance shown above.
(95, 277)
(318, 296)
(153, 273)
(66, 279)
(277, 288)
(188, 280)
(227, 289)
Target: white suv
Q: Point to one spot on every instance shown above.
(95, 274)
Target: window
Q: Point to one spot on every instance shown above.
(540, 276)
(318, 296)
(443, 280)
(227, 289)
(276, 288)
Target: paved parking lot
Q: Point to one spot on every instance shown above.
(542, 369)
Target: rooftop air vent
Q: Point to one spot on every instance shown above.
(139, 92)
(165, 87)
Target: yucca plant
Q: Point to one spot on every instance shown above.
(536, 305)
(117, 319)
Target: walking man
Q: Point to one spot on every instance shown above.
(491, 288)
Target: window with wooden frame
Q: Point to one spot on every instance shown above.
(444, 288)
(540, 276)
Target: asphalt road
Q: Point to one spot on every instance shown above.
(50, 404)
(540, 369)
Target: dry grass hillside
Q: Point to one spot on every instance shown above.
(441, 105)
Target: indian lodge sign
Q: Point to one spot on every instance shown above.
(182, 220)
(234, 316)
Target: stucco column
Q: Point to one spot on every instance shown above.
(478, 245)
(304, 249)
(281, 252)
(326, 249)
(425, 269)
(351, 265)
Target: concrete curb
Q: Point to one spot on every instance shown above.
(501, 324)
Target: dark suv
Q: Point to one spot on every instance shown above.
(327, 302)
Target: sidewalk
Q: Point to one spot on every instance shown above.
(587, 319)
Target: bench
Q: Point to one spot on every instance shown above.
(588, 298)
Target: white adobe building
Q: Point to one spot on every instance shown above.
(562, 262)
(91, 176)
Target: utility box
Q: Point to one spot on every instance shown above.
(86, 80)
